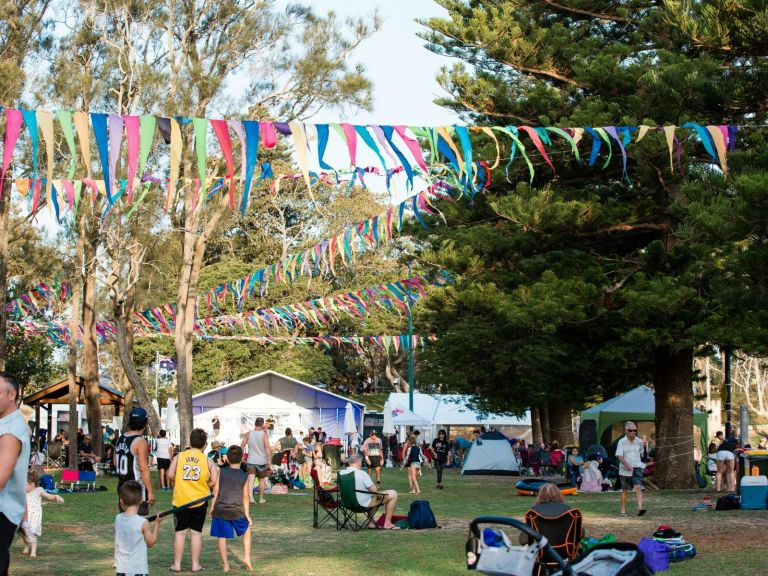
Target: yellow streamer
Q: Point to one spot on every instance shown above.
(642, 132)
(175, 161)
(719, 141)
(45, 122)
(443, 131)
(669, 132)
(300, 143)
(490, 133)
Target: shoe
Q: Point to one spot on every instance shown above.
(378, 484)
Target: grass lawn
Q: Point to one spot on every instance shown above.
(77, 535)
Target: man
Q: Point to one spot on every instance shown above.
(85, 450)
(259, 453)
(629, 451)
(14, 458)
(132, 457)
(373, 450)
(287, 442)
(364, 484)
(216, 424)
(439, 451)
(196, 476)
(321, 436)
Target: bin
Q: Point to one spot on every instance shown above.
(333, 453)
(754, 492)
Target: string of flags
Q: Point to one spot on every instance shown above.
(319, 312)
(124, 142)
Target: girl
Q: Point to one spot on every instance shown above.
(412, 460)
(32, 524)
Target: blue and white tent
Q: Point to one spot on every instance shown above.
(491, 454)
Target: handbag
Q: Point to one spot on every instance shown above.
(498, 557)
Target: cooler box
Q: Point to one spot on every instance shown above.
(754, 492)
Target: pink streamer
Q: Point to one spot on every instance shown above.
(13, 123)
(413, 146)
(268, 134)
(349, 132)
(539, 145)
(221, 130)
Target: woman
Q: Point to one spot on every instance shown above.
(556, 457)
(575, 462)
(439, 449)
(549, 504)
(592, 478)
(412, 461)
(726, 462)
(163, 455)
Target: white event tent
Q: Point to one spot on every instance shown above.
(290, 402)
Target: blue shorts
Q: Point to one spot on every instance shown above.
(221, 528)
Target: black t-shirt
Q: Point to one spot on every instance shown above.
(440, 448)
(728, 445)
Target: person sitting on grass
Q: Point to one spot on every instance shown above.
(229, 508)
(32, 525)
(363, 484)
(132, 532)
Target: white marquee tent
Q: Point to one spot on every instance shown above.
(452, 410)
(292, 403)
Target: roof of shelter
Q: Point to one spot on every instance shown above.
(274, 384)
(453, 410)
(58, 393)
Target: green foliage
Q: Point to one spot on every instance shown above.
(31, 361)
(570, 285)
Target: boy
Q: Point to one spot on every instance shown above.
(229, 508)
(195, 475)
(132, 532)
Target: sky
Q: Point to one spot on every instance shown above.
(402, 70)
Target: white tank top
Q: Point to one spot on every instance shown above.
(162, 449)
(256, 452)
(130, 546)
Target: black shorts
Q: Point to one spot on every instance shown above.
(628, 483)
(163, 463)
(190, 518)
(375, 461)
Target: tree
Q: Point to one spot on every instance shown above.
(585, 282)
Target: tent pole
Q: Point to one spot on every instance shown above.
(410, 344)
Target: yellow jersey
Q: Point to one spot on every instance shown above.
(191, 480)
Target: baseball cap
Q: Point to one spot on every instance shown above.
(138, 418)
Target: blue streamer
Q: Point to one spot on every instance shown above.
(30, 119)
(388, 131)
(595, 145)
(99, 122)
(251, 129)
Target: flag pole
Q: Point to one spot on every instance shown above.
(157, 370)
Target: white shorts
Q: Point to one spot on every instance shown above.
(416, 465)
(725, 455)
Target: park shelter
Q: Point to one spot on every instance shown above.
(638, 405)
(55, 399)
(289, 402)
(491, 454)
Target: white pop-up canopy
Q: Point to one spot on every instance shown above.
(453, 410)
(289, 402)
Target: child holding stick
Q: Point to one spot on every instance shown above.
(133, 536)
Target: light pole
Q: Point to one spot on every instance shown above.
(410, 343)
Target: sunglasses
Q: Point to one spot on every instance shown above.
(631, 429)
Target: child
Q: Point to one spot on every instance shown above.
(230, 508)
(32, 523)
(132, 532)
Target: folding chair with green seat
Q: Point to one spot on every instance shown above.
(563, 533)
(327, 500)
(351, 508)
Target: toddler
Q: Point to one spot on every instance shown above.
(32, 524)
(132, 532)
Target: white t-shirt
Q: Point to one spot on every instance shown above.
(362, 483)
(130, 546)
(633, 454)
(163, 446)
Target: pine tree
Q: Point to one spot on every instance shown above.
(599, 278)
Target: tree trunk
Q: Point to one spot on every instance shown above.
(394, 376)
(674, 419)
(125, 351)
(74, 327)
(545, 430)
(536, 436)
(90, 342)
(5, 208)
(560, 422)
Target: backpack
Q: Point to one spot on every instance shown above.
(420, 515)
(728, 502)
(656, 554)
(46, 482)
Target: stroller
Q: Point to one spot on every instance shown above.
(491, 552)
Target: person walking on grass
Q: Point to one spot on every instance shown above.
(629, 451)
(32, 525)
(132, 532)
(164, 455)
(194, 476)
(373, 450)
(412, 461)
(439, 449)
(229, 509)
(14, 459)
(259, 452)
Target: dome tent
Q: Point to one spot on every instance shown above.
(491, 454)
(638, 405)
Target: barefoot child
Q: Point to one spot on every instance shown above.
(230, 508)
(132, 532)
(32, 524)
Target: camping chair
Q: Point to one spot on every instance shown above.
(351, 508)
(70, 477)
(88, 478)
(563, 533)
(327, 500)
(55, 455)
